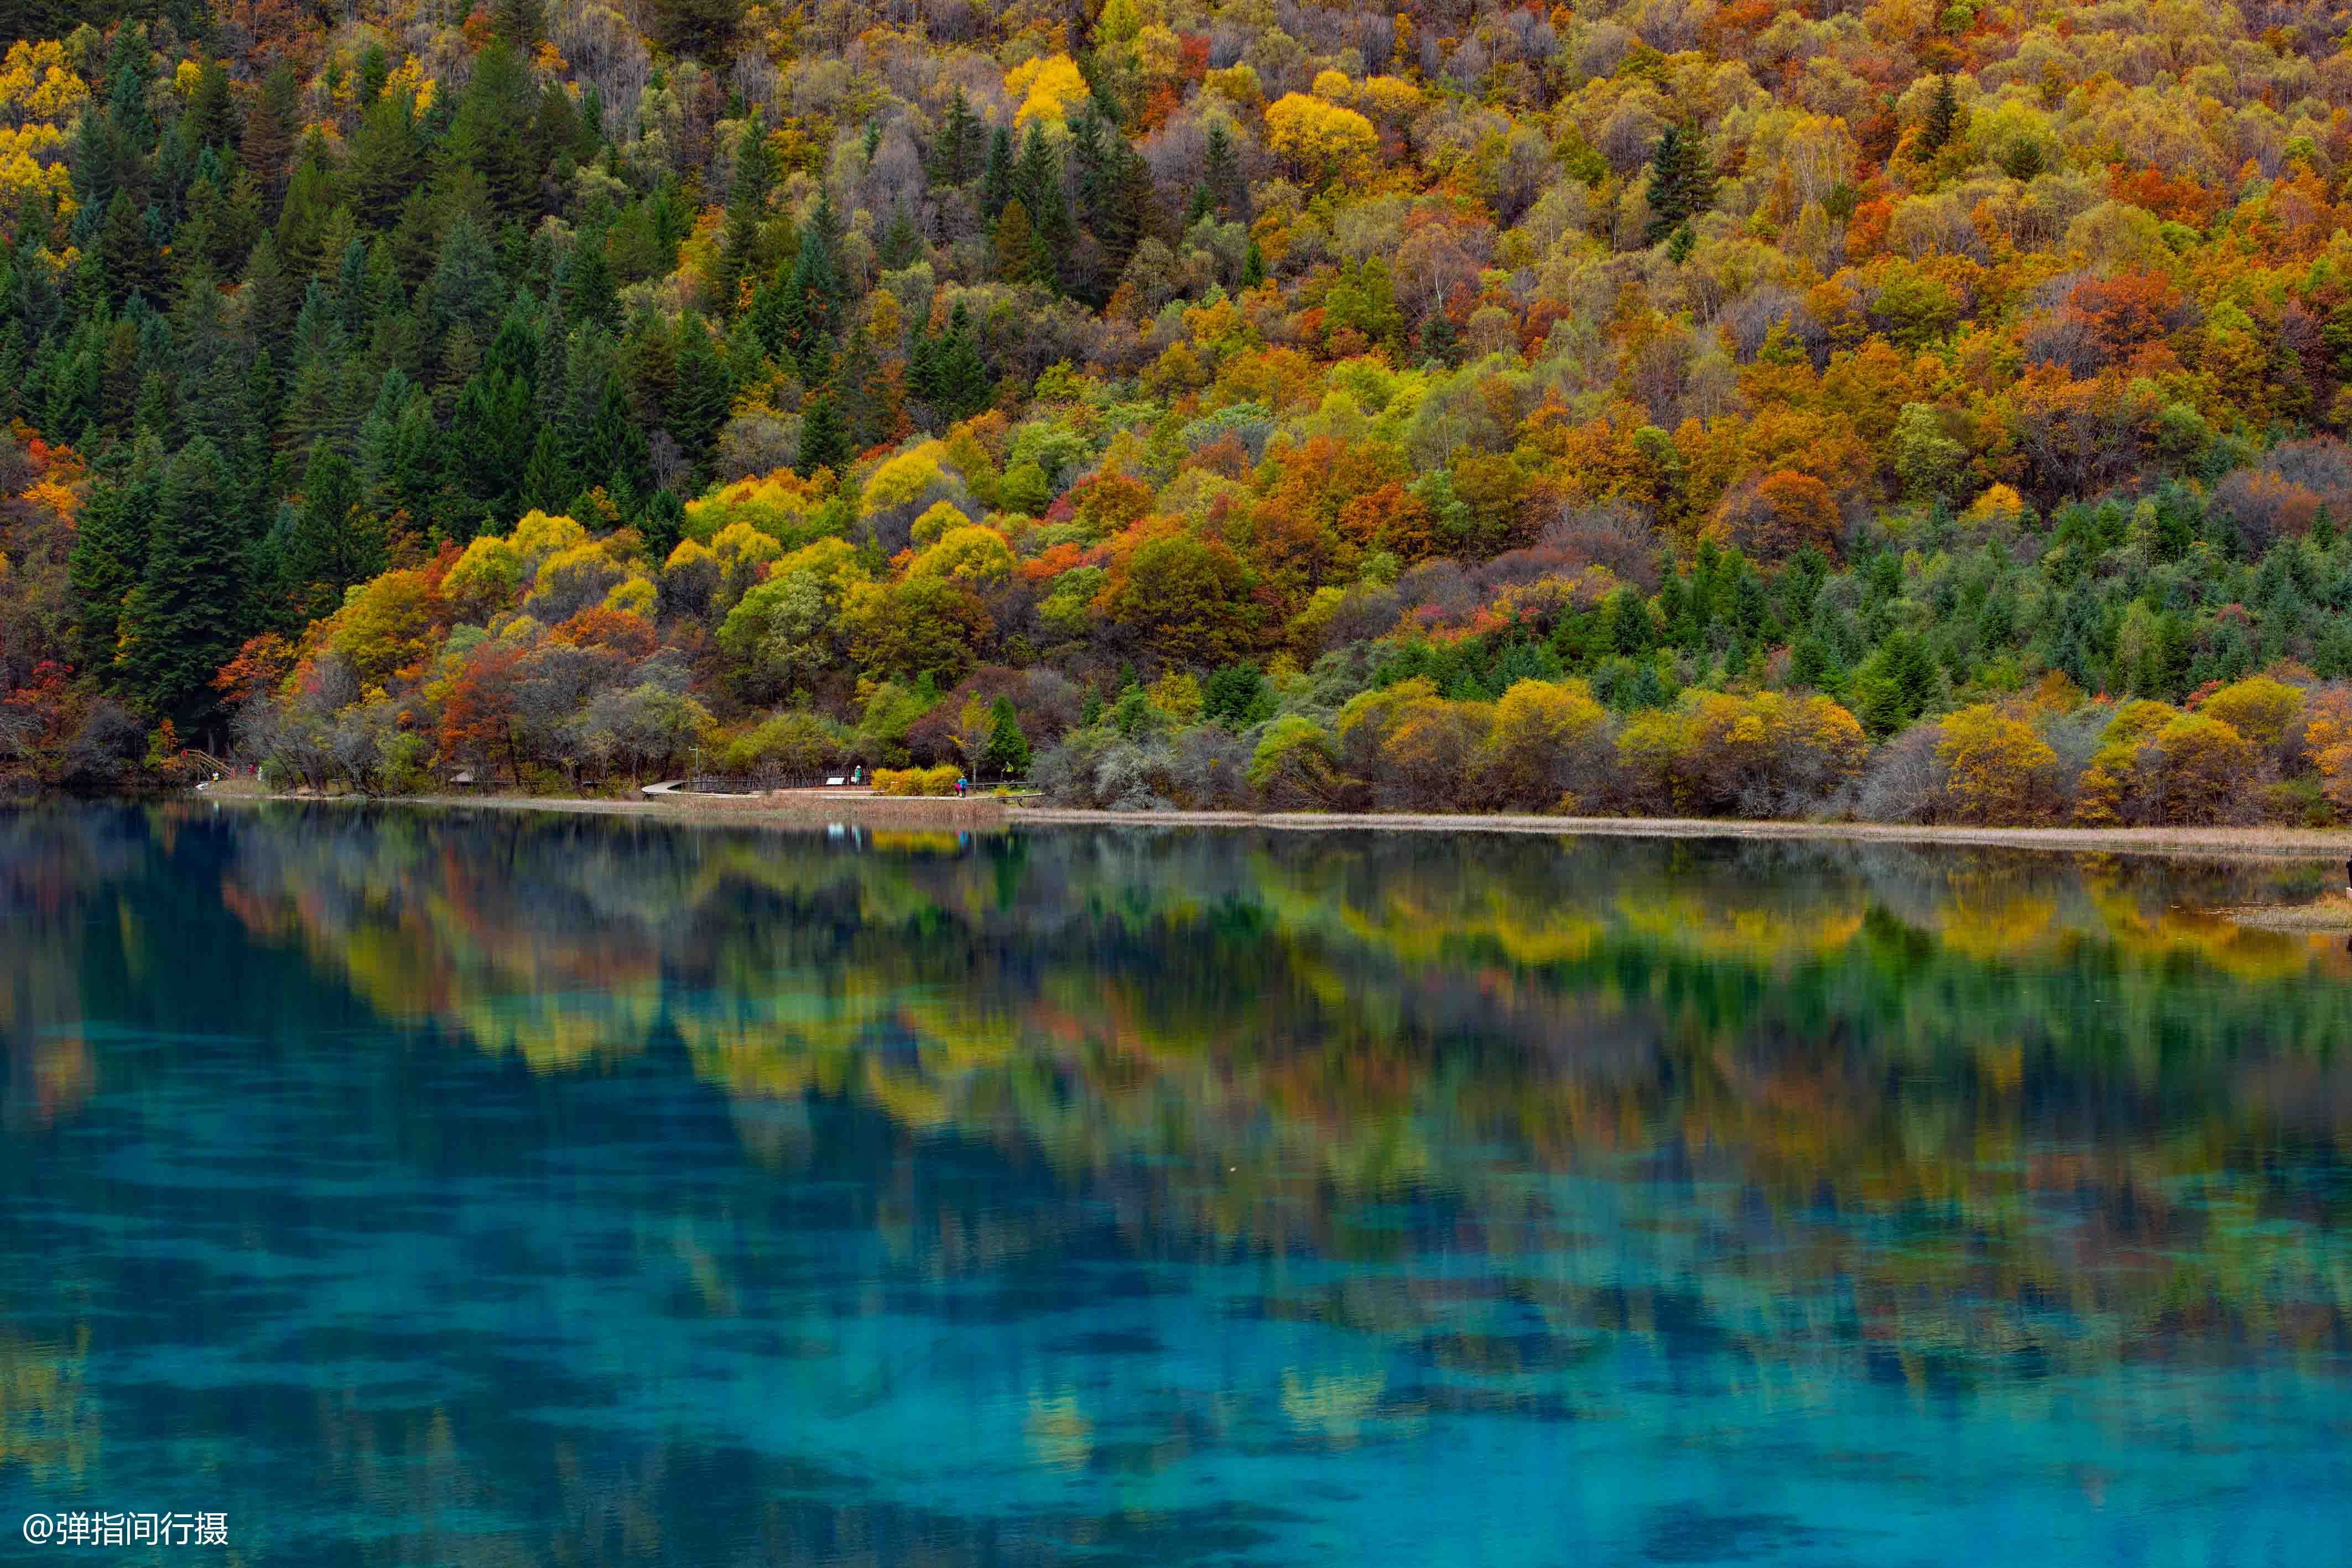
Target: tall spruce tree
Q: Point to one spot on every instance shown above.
(1943, 117)
(1681, 183)
(824, 444)
(997, 186)
(335, 541)
(957, 152)
(187, 614)
(109, 555)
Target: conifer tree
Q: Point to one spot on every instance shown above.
(705, 389)
(335, 541)
(126, 251)
(385, 159)
(1007, 753)
(585, 282)
(997, 186)
(110, 554)
(747, 204)
(547, 479)
(960, 376)
(1221, 172)
(822, 443)
(956, 155)
(211, 120)
(1682, 185)
(1015, 244)
(902, 242)
(186, 616)
(664, 523)
(859, 392)
(1943, 117)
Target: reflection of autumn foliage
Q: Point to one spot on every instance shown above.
(1237, 1043)
(49, 1424)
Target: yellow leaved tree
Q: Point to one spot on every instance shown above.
(1049, 90)
(1323, 140)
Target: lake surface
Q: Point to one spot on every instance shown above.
(458, 1188)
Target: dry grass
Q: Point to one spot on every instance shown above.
(2202, 843)
(2333, 912)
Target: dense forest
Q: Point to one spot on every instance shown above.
(1627, 406)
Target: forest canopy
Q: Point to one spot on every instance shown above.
(1618, 407)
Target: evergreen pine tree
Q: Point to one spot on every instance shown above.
(1221, 172)
(956, 154)
(109, 555)
(1015, 244)
(335, 541)
(962, 376)
(997, 186)
(1007, 753)
(664, 524)
(186, 616)
(1943, 117)
(521, 23)
(385, 159)
(804, 314)
(1091, 168)
(902, 242)
(154, 414)
(822, 443)
(859, 392)
(126, 253)
(706, 390)
(922, 365)
(1128, 216)
(747, 206)
(1682, 185)
(615, 451)
(1037, 182)
(211, 120)
(547, 479)
(586, 283)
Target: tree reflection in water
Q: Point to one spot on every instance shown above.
(1470, 1128)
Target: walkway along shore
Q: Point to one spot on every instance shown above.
(807, 808)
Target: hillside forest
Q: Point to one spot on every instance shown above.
(1630, 406)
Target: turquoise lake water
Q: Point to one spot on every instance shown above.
(487, 1188)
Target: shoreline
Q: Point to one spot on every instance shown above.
(989, 812)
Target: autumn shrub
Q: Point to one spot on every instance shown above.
(1295, 767)
(2162, 766)
(2197, 769)
(1547, 748)
(911, 781)
(1904, 780)
(1995, 770)
(1417, 751)
(797, 745)
(2267, 712)
(1778, 514)
(1716, 753)
(2265, 506)
(2105, 796)
(2328, 743)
